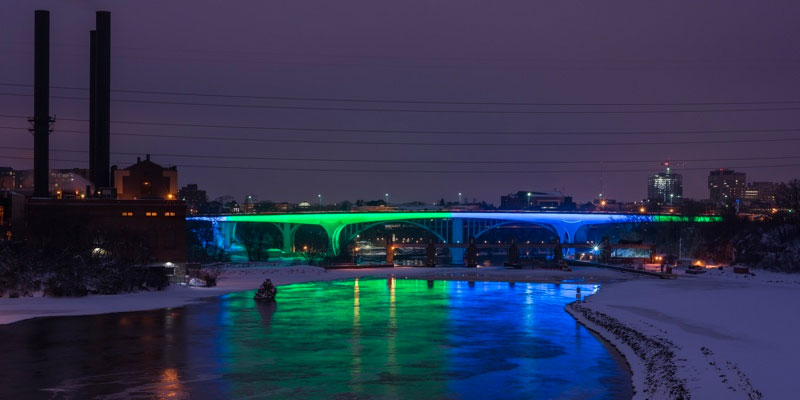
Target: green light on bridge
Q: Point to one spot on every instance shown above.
(336, 218)
(678, 218)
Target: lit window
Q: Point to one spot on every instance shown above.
(127, 213)
(169, 214)
(151, 214)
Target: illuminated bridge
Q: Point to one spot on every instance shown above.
(448, 227)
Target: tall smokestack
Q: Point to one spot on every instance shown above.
(41, 105)
(102, 101)
(92, 106)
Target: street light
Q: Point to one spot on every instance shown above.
(459, 197)
(387, 198)
(320, 200)
(529, 199)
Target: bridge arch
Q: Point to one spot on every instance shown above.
(314, 236)
(361, 229)
(504, 223)
(347, 232)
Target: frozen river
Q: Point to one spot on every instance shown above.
(355, 339)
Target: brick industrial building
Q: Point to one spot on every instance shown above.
(145, 180)
(147, 214)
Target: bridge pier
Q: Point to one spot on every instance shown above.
(567, 233)
(332, 231)
(457, 237)
(287, 233)
(224, 234)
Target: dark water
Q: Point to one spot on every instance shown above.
(364, 339)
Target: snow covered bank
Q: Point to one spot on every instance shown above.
(711, 336)
(239, 279)
(652, 358)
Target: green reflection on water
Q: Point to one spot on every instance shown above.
(406, 339)
(348, 341)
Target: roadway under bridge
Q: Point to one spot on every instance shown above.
(449, 227)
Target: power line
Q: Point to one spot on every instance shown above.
(303, 159)
(435, 132)
(395, 101)
(435, 171)
(399, 110)
(435, 144)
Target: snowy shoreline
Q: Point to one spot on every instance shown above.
(250, 278)
(654, 378)
(717, 335)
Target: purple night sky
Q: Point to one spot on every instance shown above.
(446, 50)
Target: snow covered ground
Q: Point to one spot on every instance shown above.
(717, 335)
(239, 279)
(712, 336)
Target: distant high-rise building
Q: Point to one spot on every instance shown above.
(196, 199)
(726, 185)
(761, 193)
(665, 187)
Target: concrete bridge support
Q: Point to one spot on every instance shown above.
(224, 234)
(567, 233)
(287, 233)
(457, 237)
(332, 232)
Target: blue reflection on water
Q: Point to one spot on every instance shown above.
(361, 339)
(517, 342)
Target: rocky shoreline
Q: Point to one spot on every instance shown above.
(657, 355)
(660, 368)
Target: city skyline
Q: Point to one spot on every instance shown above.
(338, 53)
(76, 179)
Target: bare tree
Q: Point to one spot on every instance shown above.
(788, 195)
(313, 255)
(256, 239)
(201, 244)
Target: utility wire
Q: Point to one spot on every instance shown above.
(434, 171)
(406, 161)
(398, 110)
(395, 101)
(434, 132)
(451, 144)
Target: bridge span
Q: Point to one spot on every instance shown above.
(448, 227)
